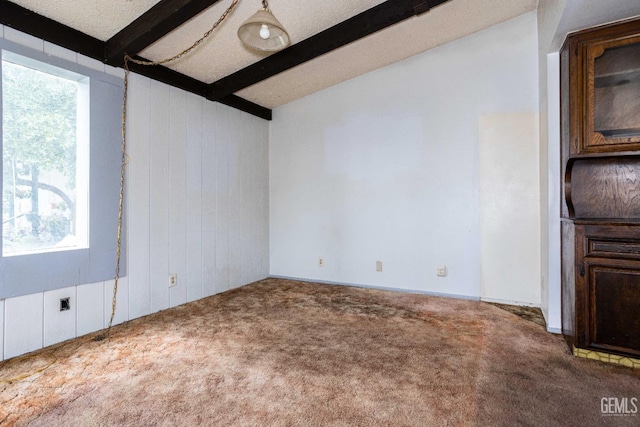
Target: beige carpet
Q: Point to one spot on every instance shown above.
(287, 353)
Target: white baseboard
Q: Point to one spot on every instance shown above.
(510, 302)
(414, 291)
(382, 288)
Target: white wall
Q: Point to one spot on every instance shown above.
(387, 167)
(549, 15)
(509, 208)
(552, 301)
(196, 205)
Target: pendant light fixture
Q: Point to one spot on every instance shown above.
(263, 31)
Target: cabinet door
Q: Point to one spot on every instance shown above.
(612, 116)
(612, 318)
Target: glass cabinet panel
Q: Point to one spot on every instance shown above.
(617, 92)
(613, 96)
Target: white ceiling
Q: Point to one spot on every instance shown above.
(101, 19)
(223, 54)
(445, 23)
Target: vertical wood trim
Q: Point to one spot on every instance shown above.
(159, 196)
(222, 199)
(210, 246)
(177, 199)
(244, 200)
(235, 213)
(194, 197)
(138, 203)
(264, 217)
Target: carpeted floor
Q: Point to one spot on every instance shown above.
(287, 353)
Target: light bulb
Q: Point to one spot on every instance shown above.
(264, 32)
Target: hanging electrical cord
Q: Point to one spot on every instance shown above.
(125, 157)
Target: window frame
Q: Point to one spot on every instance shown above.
(38, 272)
(82, 146)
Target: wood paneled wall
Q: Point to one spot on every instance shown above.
(196, 205)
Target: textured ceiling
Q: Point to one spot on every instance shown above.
(401, 41)
(101, 19)
(223, 54)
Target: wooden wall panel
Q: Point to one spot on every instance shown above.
(194, 197)
(221, 166)
(188, 210)
(89, 297)
(177, 196)
(209, 206)
(235, 201)
(59, 325)
(121, 314)
(159, 196)
(138, 197)
(23, 324)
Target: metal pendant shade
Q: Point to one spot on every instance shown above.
(263, 32)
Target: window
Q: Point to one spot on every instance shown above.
(45, 154)
(61, 131)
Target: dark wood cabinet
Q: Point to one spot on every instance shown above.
(602, 280)
(600, 115)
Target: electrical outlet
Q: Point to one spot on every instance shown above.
(320, 262)
(378, 265)
(173, 280)
(442, 271)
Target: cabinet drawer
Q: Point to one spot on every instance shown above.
(612, 248)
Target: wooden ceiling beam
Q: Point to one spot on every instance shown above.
(26, 21)
(423, 6)
(164, 17)
(189, 84)
(368, 22)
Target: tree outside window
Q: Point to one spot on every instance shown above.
(40, 201)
